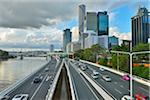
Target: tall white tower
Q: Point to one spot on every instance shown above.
(82, 12)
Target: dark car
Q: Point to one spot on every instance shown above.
(37, 80)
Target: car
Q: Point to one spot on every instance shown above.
(95, 76)
(21, 97)
(95, 72)
(101, 69)
(83, 68)
(4, 97)
(37, 80)
(126, 77)
(46, 69)
(127, 97)
(106, 78)
(140, 96)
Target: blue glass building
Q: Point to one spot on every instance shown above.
(67, 38)
(103, 23)
(113, 41)
(140, 27)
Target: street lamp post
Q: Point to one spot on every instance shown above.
(131, 55)
(118, 61)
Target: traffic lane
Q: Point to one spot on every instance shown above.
(83, 91)
(116, 80)
(43, 90)
(113, 89)
(28, 86)
(137, 87)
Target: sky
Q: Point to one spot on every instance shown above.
(39, 23)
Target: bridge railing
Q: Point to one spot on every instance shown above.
(18, 83)
(136, 78)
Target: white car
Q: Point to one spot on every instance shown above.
(83, 68)
(101, 69)
(95, 76)
(95, 72)
(4, 97)
(106, 78)
(46, 69)
(21, 97)
(126, 97)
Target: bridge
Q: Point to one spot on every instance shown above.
(64, 79)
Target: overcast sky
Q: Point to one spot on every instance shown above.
(39, 23)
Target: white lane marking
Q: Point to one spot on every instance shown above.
(118, 91)
(86, 83)
(38, 88)
(115, 83)
(102, 80)
(122, 86)
(144, 89)
(100, 74)
(41, 77)
(48, 78)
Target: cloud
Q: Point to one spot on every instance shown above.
(36, 13)
(37, 38)
(35, 23)
(122, 36)
(15, 14)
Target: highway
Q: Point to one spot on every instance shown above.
(38, 91)
(83, 89)
(117, 87)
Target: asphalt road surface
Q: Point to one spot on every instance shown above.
(38, 91)
(117, 87)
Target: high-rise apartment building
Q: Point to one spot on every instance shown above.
(67, 38)
(140, 27)
(102, 23)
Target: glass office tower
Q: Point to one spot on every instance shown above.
(67, 38)
(103, 23)
(140, 27)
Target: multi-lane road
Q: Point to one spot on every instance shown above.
(82, 88)
(38, 91)
(118, 87)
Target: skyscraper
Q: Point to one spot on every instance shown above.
(51, 48)
(91, 21)
(140, 27)
(67, 38)
(102, 23)
(82, 11)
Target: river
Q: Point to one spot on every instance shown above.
(13, 70)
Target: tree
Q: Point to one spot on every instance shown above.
(142, 47)
(103, 61)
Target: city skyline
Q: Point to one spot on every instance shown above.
(16, 31)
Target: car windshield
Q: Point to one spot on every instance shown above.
(107, 77)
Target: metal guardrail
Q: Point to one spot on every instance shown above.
(51, 91)
(136, 78)
(72, 85)
(12, 87)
